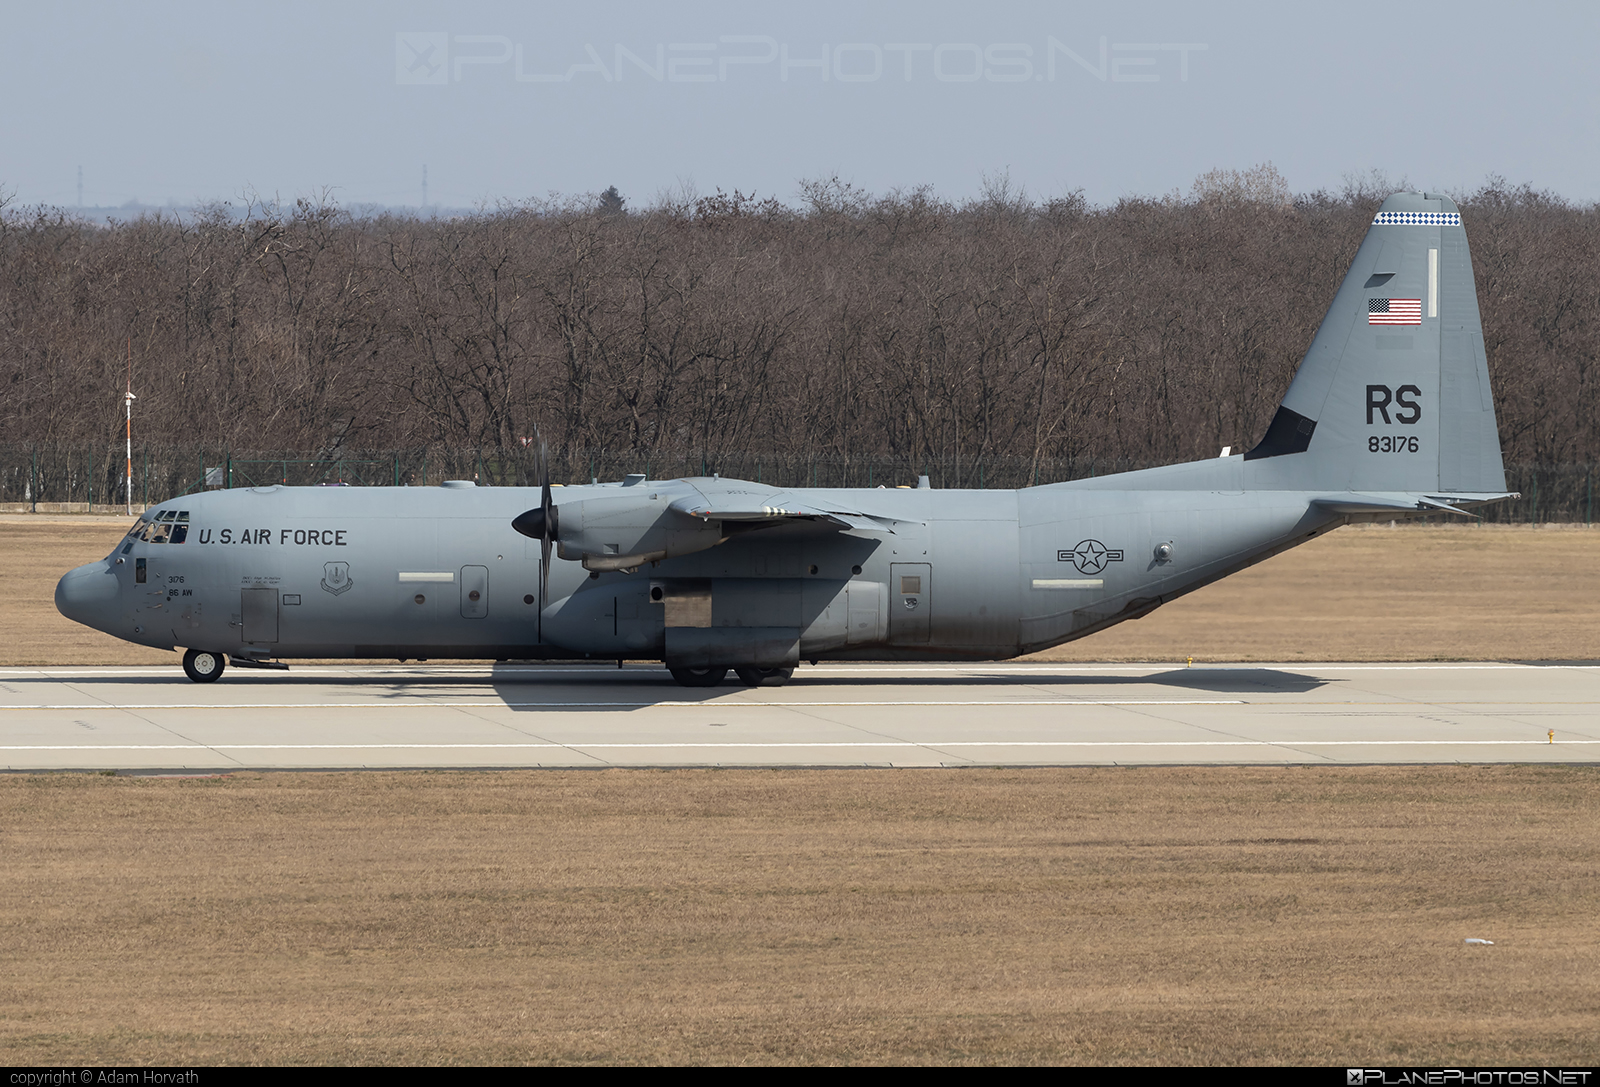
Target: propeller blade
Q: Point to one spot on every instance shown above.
(544, 582)
(548, 519)
(547, 522)
(543, 524)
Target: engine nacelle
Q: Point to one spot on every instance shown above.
(624, 533)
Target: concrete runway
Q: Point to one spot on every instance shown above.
(319, 716)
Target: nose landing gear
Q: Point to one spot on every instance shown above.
(203, 667)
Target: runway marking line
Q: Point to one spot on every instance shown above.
(417, 704)
(579, 746)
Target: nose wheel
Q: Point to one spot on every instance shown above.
(204, 667)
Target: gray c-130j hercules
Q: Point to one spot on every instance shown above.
(1389, 416)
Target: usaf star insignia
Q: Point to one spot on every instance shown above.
(1090, 556)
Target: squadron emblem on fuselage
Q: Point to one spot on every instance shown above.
(336, 577)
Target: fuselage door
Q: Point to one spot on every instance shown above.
(259, 611)
(910, 595)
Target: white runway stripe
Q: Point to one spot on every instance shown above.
(581, 746)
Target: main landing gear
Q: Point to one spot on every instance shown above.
(699, 677)
(750, 677)
(204, 667)
(763, 677)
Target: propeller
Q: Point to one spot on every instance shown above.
(541, 523)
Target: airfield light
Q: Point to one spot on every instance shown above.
(127, 401)
(128, 398)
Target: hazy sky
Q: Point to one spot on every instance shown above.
(505, 101)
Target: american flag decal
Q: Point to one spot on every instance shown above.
(1394, 311)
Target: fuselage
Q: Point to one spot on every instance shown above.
(438, 572)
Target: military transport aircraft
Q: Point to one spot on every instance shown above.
(1389, 416)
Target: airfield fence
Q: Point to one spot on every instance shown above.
(64, 477)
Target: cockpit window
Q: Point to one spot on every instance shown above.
(167, 526)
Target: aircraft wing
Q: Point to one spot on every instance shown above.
(746, 506)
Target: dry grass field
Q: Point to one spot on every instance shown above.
(1429, 592)
(1084, 916)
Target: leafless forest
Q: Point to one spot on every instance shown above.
(1001, 331)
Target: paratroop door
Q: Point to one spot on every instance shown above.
(910, 597)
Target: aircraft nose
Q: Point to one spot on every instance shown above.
(86, 595)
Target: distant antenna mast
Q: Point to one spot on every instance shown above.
(80, 186)
(424, 186)
(127, 400)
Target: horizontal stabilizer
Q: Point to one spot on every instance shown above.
(1407, 503)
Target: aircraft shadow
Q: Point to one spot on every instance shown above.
(1239, 680)
(606, 689)
(637, 688)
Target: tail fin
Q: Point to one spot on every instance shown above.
(1394, 393)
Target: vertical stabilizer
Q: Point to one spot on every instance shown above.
(1394, 393)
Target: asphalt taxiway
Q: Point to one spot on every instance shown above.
(321, 716)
